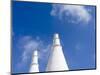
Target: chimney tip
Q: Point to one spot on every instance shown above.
(56, 35)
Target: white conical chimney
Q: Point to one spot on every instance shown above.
(56, 60)
(34, 65)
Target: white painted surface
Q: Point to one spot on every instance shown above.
(57, 60)
(56, 40)
(34, 65)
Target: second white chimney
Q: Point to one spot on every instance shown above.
(34, 65)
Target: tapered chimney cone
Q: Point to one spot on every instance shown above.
(56, 60)
(34, 65)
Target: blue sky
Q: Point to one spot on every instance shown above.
(34, 24)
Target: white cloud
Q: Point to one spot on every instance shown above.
(44, 52)
(73, 13)
(28, 44)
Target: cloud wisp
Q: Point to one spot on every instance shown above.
(28, 44)
(71, 13)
